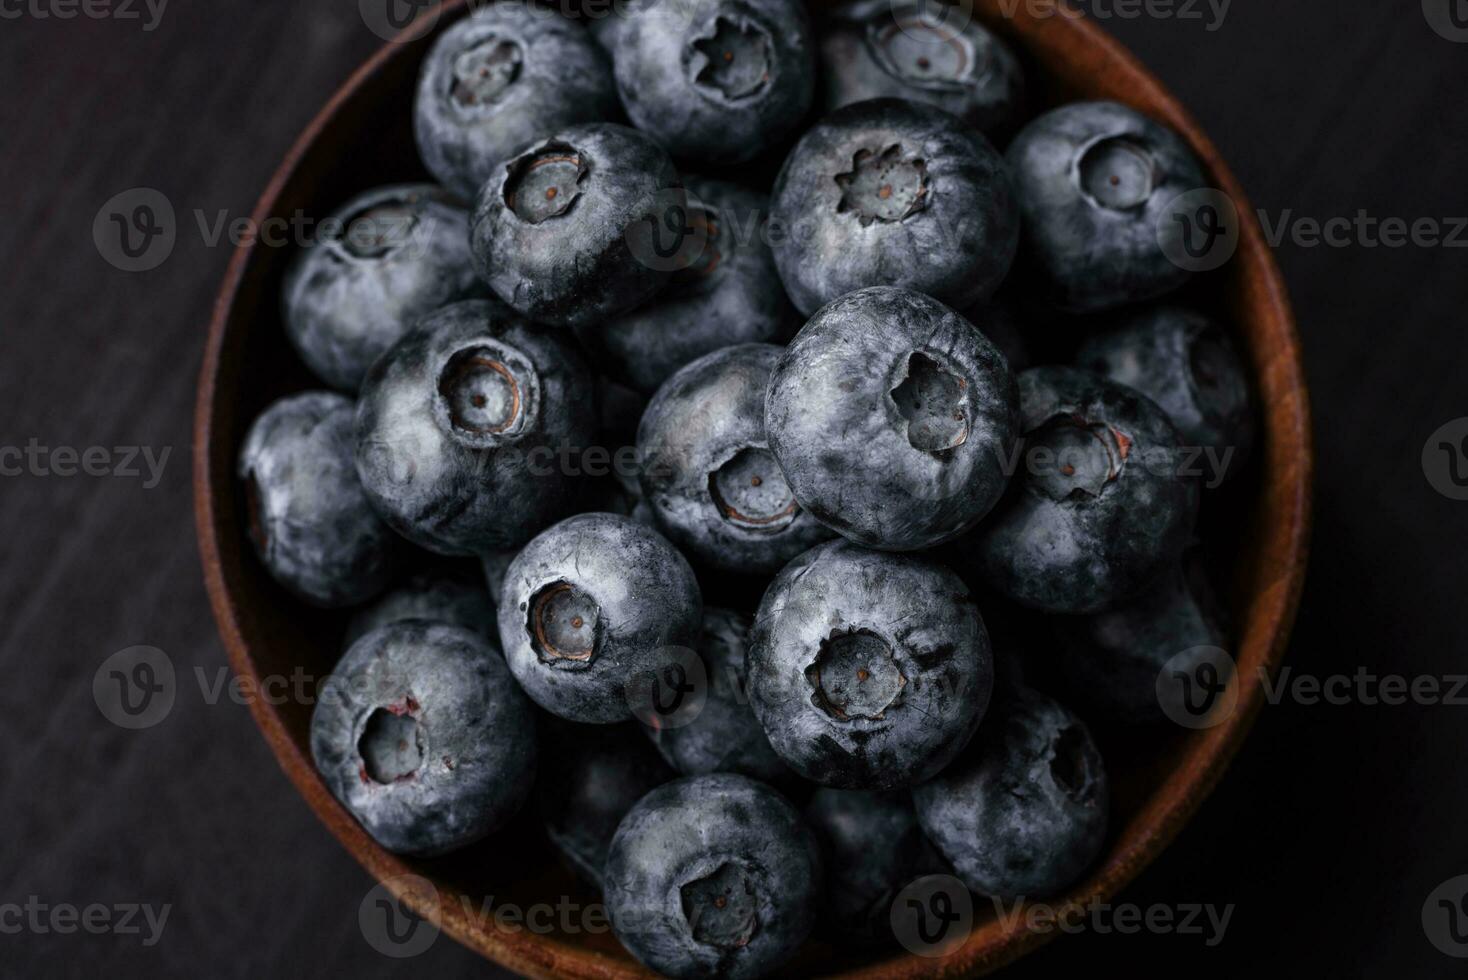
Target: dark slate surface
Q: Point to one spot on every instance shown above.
(1327, 835)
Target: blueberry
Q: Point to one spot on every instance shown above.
(1022, 814)
(403, 252)
(713, 876)
(873, 848)
(1186, 363)
(437, 596)
(590, 776)
(309, 519)
(561, 230)
(724, 736)
(715, 80)
(1101, 505)
(495, 564)
(707, 470)
(459, 426)
(424, 737)
(499, 79)
(1094, 180)
(868, 670)
(893, 419)
(1109, 663)
(924, 51)
(726, 291)
(587, 603)
(892, 193)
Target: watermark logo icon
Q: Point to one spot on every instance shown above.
(1445, 460)
(669, 688)
(1199, 231)
(933, 916)
(389, 925)
(1449, 18)
(1194, 687)
(135, 231)
(135, 688)
(389, 19)
(1445, 917)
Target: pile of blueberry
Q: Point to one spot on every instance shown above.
(736, 469)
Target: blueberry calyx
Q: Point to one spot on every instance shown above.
(1116, 173)
(377, 231)
(564, 624)
(886, 186)
(721, 907)
(855, 676)
(483, 72)
(487, 394)
(1074, 764)
(391, 745)
(914, 48)
(545, 182)
(750, 491)
(736, 58)
(1083, 458)
(931, 398)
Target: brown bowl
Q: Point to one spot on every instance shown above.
(362, 138)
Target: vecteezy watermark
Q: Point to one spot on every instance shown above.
(1449, 18)
(1184, 919)
(1445, 459)
(137, 230)
(668, 688)
(394, 928)
(1194, 689)
(135, 688)
(933, 916)
(64, 918)
(399, 20)
(1199, 230)
(148, 12)
(1363, 230)
(1445, 917)
(391, 925)
(1210, 13)
(35, 459)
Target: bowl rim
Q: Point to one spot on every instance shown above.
(1164, 813)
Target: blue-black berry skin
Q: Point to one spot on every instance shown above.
(893, 419)
(890, 192)
(922, 51)
(725, 736)
(868, 670)
(726, 292)
(1102, 503)
(713, 876)
(1023, 813)
(496, 80)
(1186, 363)
(588, 603)
(1108, 664)
(567, 229)
(707, 471)
(459, 427)
(402, 253)
(424, 737)
(1094, 181)
(311, 523)
(873, 848)
(440, 597)
(590, 776)
(715, 81)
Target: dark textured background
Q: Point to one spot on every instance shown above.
(1327, 834)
